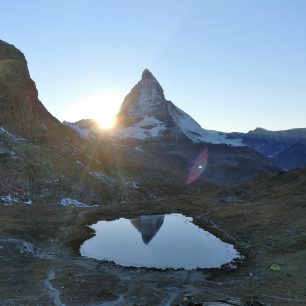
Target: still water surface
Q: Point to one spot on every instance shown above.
(159, 241)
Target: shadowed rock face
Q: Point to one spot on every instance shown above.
(286, 149)
(293, 157)
(21, 110)
(147, 99)
(148, 226)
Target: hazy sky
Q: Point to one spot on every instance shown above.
(231, 64)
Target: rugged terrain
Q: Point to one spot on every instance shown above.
(286, 149)
(265, 220)
(55, 180)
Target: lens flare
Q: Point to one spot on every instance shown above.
(106, 123)
(101, 106)
(198, 167)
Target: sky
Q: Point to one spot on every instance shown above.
(233, 65)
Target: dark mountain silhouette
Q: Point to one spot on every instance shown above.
(148, 226)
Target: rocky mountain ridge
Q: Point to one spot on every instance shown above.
(21, 110)
(146, 115)
(286, 148)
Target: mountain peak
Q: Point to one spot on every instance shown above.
(147, 75)
(149, 82)
(146, 114)
(145, 97)
(9, 51)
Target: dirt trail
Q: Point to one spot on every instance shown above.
(52, 292)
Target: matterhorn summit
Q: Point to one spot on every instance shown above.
(146, 97)
(146, 114)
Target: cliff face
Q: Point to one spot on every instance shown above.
(38, 154)
(20, 109)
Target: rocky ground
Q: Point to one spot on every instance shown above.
(40, 264)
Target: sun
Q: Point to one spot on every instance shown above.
(107, 122)
(102, 107)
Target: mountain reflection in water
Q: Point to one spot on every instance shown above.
(148, 226)
(159, 241)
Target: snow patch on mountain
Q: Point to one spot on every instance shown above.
(148, 127)
(83, 132)
(22, 246)
(9, 199)
(131, 185)
(102, 177)
(138, 148)
(192, 130)
(72, 202)
(28, 202)
(215, 137)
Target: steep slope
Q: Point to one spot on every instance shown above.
(297, 134)
(41, 172)
(38, 154)
(284, 148)
(21, 111)
(285, 184)
(84, 127)
(291, 158)
(145, 114)
(273, 142)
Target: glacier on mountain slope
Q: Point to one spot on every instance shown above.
(148, 127)
(152, 128)
(192, 130)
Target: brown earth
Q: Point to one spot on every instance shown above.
(265, 220)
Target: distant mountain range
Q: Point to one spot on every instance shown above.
(286, 149)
